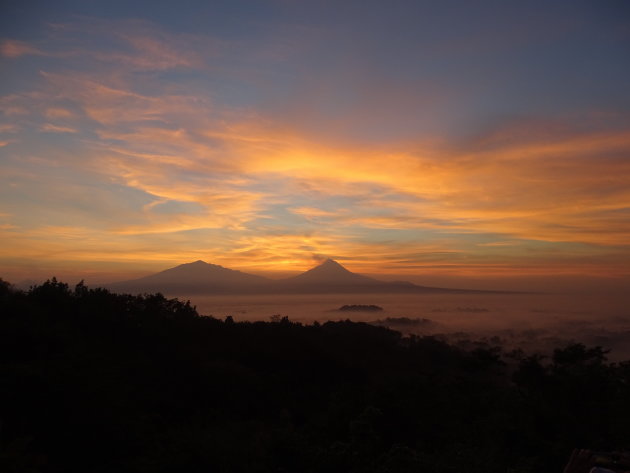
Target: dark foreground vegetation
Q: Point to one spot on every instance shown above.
(96, 382)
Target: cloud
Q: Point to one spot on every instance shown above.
(56, 112)
(554, 188)
(146, 164)
(49, 127)
(153, 53)
(14, 49)
(499, 243)
(132, 45)
(8, 128)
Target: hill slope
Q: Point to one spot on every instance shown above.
(197, 277)
(329, 273)
(332, 277)
(329, 277)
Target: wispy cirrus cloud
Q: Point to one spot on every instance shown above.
(158, 161)
(14, 49)
(49, 127)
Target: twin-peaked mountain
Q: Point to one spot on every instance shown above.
(203, 278)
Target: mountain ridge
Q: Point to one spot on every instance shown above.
(329, 272)
(199, 277)
(194, 277)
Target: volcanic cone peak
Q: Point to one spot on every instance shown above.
(330, 266)
(330, 272)
(200, 277)
(195, 277)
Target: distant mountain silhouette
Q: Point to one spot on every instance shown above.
(330, 273)
(332, 277)
(192, 278)
(329, 277)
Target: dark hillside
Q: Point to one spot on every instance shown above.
(100, 382)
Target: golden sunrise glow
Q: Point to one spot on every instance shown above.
(106, 162)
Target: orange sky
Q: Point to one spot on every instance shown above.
(129, 146)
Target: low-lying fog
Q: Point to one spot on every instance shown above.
(533, 322)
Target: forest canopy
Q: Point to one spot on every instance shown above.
(104, 382)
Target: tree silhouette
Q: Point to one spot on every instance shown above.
(96, 381)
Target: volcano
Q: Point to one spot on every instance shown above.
(332, 277)
(193, 278)
(329, 273)
(329, 277)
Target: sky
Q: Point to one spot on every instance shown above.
(418, 138)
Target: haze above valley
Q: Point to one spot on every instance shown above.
(534, 321)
